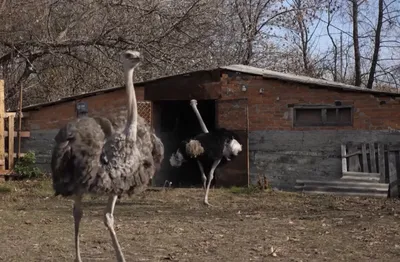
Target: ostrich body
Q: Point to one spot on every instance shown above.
(91, 157)
(211, 149)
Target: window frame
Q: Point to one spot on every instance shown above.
(323, 109)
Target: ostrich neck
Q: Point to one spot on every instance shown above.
(132, 119)
(196, 111)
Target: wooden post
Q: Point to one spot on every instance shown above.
(354, 162)
(393, 186)
(344, 160)
(372, 157)
(10, 142)
(364, 158)
(19, 122)
(2, 114)
(381, 158)
(247, 141)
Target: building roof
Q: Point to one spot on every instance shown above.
(268, 74)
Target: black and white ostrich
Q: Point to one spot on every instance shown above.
(91, 157)
(211, 149)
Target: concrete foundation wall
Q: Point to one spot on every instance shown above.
(41, 142)
(284, 156)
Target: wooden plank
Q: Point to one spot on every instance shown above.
(354, 163)
(14, 114)
(393, 147)
(23, 133)
(393, 187)
(15, 154)
(344, 160)
(5, 172)
(2, 113)
(351, 173)
(364, 158)
(381, 162)
(372, 157)
(353, 154)
(11, 142)
(8, 114)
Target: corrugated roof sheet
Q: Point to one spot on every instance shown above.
(300, 79)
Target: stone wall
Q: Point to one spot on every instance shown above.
(284, 156)
(41, 142)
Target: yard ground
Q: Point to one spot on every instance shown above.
(175, 226)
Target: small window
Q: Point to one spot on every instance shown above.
(323, 116)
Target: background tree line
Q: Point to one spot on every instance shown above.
(57, 48)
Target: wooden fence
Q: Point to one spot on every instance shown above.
(374, 158)
(7, 136)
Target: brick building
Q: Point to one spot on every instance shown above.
(291, 126)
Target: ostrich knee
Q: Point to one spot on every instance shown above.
(109, 220)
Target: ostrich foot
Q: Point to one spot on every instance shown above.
(208, 204)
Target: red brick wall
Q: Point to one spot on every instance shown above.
(266, 111)
(55, 116)
(270, 111)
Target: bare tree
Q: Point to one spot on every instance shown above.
(357, 55)
(72, 46)
(377, 44)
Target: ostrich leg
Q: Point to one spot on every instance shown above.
(193, 103)
(210, 178)
(203, 175)
(109, 222)
(77, 213)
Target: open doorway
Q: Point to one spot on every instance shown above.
(175, 121)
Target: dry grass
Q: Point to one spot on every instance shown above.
(175, 226)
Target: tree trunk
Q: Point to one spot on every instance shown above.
(357, 56)
(377, 45)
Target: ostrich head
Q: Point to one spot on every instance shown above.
(130, 59)
(231, 147)
(193, 103)
(179, 157)
(235, 146)
(176, 159)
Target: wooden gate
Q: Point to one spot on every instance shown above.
(233, 115)
(373, 160)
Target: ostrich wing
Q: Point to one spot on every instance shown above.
(75, 156)
(158, 150)
(105, 125)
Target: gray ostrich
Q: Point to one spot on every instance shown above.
(91, 157)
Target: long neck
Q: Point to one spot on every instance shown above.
(132, 119)
(196, 111)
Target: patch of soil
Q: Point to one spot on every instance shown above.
(174, 225)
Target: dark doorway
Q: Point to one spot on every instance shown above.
(175, 121)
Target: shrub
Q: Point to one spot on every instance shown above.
(26, 167)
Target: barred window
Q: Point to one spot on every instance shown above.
(309, 115)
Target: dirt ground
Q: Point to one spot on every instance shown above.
(174, 225)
